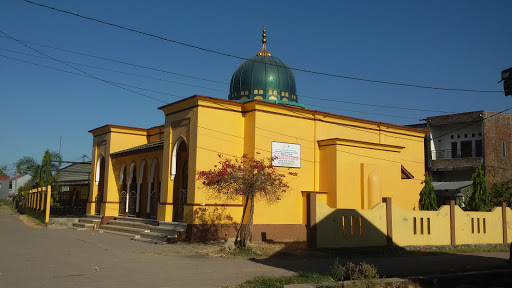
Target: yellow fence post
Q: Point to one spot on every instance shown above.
(48, 198)
(504, 221)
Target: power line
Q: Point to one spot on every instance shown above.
(165, 71)
(108, 81)
(182, 97)
(90, 75)
(375, 105)
(313, 105)
(122, 62)
(117, 71)
(473, 122)
(243, 58)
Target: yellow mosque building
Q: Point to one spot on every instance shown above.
(348, 162)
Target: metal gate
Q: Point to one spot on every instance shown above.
(153, 203)
(132, 200)
(99, 199)
(122, 203)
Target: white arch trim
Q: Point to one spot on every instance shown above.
(98, 169)
(141, 171)
(174, 155)
(132, 167)
(121, 177)
(153, 167)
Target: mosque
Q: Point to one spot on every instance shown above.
(348, 162)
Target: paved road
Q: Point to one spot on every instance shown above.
(40, 257)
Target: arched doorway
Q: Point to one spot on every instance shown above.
(122, 190)
(132, 192)
(154, 190)
(180, 159)
(100, 182)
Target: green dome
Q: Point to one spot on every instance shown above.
(264, 77)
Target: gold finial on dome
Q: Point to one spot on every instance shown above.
(264, 51)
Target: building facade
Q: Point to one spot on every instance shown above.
(4, 186)
(17, 181)
(460, 143)
(347, 162)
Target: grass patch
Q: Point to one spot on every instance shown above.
(271, 282)
(412, 251)
(7, 203)
(38, 215)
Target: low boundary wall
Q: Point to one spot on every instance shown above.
(36, 203)
(388, 224)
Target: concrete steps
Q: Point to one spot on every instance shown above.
(166, 232)
(61, 222)
(133, 236)
(82, 226)
(139, 229)
(131, 224)
(153, 237)
(122, 229)
(87, 223)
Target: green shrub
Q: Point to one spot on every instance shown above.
(362, 275)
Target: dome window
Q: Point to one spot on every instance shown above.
(261, 91)
(255, 91)
(258, 97)
(286, 94)
(272, 98)
(282, 93)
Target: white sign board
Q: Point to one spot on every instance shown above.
(286, 154)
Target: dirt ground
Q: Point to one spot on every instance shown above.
(32, 256)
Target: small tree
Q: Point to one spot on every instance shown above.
(428, 199)
(3, 170)
(245, 178)
(479, 199)
(501, 192)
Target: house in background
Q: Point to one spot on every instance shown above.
(4, 186)
(17, 181)
(72, 189)
(460, 143)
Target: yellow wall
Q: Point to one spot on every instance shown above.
(334, 227)
(211, 126)
(470, 226)
(342, 227)
(437, 232)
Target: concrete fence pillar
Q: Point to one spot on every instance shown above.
(389, 220)
(311, 219)
(452, 220)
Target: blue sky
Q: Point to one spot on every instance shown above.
(456, 44)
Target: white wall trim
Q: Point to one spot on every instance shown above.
(98, 169)
(174, 155)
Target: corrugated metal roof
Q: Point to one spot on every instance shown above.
(140, 149)
(451, 185)
(76, 172)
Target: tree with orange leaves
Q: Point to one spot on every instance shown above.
(247, 178)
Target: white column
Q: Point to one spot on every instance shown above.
(127, 196)
(149, 196)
